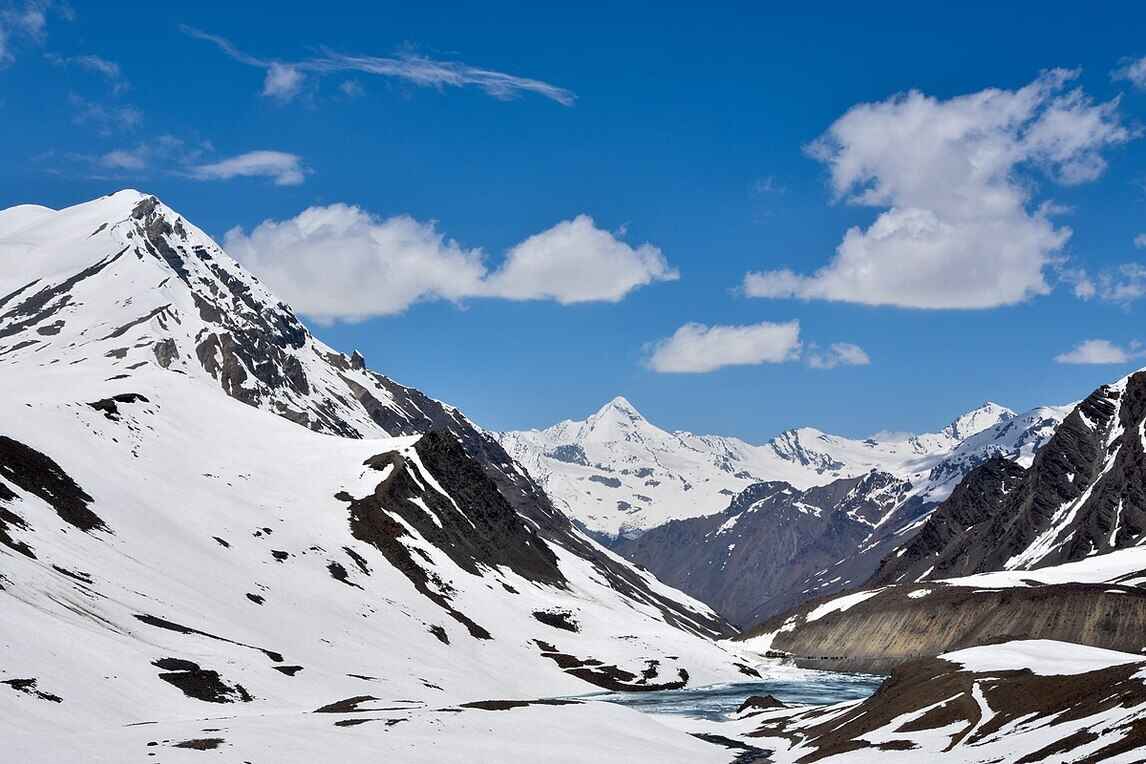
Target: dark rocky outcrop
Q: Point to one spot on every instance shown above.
(760, 703)
(945, 547)
(1084, 494)
(36, 473)
(200, 684)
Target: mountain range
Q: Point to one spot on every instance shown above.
(218, 533)
(754, 530)
(210, 520)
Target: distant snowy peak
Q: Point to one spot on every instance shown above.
(808, 447)
(977, 420)
(618, 473)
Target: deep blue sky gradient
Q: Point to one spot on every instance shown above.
(680, 112)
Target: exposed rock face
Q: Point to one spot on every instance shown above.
(896, 625)
(1084, 494)
(936, 708)
(194, 488)
(752, 560)
(946, 546)
(615, 473)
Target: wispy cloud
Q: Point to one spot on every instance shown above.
(171, 155)
(26, 21)
(109, 70)
(284, 79)
(1132, 70)
(1123, 284)
(836, 354)
(283, 168)
(105, 118)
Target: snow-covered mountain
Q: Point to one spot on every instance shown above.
(776, 545)
(1051, 550)
(619, 474)
(217, 532)
(1084, 494)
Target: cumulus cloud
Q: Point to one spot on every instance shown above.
(341, 263)
(697, 348)
(958, 229)
(574, 261)
(836, 354)
(284, 78)
(1098, 352)
(283, 168)
(1132, 70)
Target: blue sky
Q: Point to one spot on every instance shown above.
(685, 129)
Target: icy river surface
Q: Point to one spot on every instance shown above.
(715, 702)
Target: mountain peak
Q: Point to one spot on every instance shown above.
(978, 419)
(620, 404)
(616, 420)
(124, 286)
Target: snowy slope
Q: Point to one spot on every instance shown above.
(1081, 496)
(774, 545)
(178, 563)
(618, 473)
(1025, 700)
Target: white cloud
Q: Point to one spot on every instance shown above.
(1097, 352)
(341, 263)
(164, 153)
(574, 261)
(282, 81)
(24, 21)
(957, 230)
(338, 262)
(1122, 284)
(1080, 282)
(124, 159)
(837, 354)
(409, 67)
(285, 169)
(1132, 70)
(696, 348)
(1140, 241)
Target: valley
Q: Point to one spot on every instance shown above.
(218, 533)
